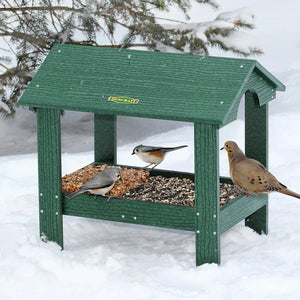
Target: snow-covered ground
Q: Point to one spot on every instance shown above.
(108, 260)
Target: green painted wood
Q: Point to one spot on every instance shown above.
(49, 168)
(268, 76)
(226, 180)
(105, 138)
(131, 211)
(159, 214)
(192, 88)
(256, 146)
(255, 83)
(241, 208)
(207, 193)
(258, 221)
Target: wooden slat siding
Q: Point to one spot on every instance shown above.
(105, 140)
(256, 146)
(49, 168)
(158, 214)
(170, 86)
(207, 194)
(131, 211)
(255, 83)
(261, 71)
(241, 208)
(263, 88)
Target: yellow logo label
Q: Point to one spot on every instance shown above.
(123, 100)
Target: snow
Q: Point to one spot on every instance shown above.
(244, 14)
(110, 260)
(238, 40)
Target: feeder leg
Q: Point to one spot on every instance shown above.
(49, 168)
(105, 138)
(207, 192)
(256, 146)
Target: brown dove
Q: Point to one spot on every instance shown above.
(250, 176)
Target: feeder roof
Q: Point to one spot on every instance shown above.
(181, 87)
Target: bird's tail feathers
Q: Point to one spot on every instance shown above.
(73, 194)
(176, 148)
(290, 193)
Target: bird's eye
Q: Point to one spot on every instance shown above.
(226, 146)
(137, 150)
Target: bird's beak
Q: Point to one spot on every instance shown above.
(132, 153)
(222, 148)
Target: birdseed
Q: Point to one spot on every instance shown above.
(175, 191)
(137, 185)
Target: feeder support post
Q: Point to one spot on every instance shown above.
(256, 147)
(49, 169)
(105, 139)
(207, 190)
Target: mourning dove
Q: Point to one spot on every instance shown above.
(100, 184)
(250, 176)
(153, 155)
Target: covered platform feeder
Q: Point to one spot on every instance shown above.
(200, 89)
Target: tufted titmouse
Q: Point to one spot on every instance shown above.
(100, 184)
(153, 155)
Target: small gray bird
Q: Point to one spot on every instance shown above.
(100, 184)
(250, 176)
(153, 155)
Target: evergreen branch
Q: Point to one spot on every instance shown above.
(171, 20)
(31, 30)
(33, 40)
(40, 8)
(4, 67)
(51, 15)
(119, 46)
(55, 8)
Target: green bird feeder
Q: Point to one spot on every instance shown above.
(108, 82)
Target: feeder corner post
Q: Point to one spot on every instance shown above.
(49, 174)
(105, 138)
(256, 146)
(207, 203)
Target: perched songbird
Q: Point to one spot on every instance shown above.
(153, 155)
(250, 176)
(100, 184)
